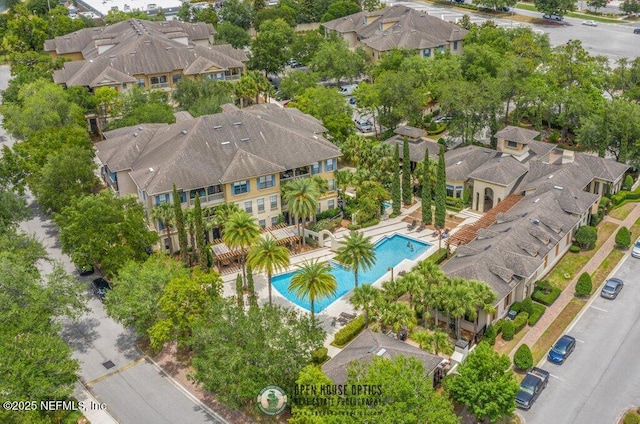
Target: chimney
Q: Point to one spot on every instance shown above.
(568, 156)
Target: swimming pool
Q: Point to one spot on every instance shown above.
(390, 251)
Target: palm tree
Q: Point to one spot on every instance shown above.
(414, 284)
(267, 256)
(301, 196)
(343, 178)
(438, 342)
(313, 281)
(221, 215)
(356, 253)
(399, 315)
(164, 213)
(240, 231)
(365, 298)
(484, 299)
(457, 301)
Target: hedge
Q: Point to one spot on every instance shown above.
(508, 330)
(349, 331)
(328, 214)
(538, 311)
(516, 306)
(623, 238)
(574, 249)
(370, 223)
(520, 322)
(319, 355)
(546, 299)
(438, 257)
(527, 305)
(623, 197)
(490, 335)
(523, 358)
(631, 418)
(498, 326)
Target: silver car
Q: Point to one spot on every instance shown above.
(611, 288)
(635, 252)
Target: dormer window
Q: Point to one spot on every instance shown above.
(512, 144)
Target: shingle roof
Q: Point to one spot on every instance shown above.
(460, 163)
(229, 146)
(499, 170)
(517, 134)
(416, 149)
(369, 344)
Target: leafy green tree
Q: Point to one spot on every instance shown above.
(371, 5)
(334, 60)
(207, 15)
(484, 384)
(584, 284)
(441, 192)
(329, 106)
(236, 12)
(407, 192)
(398, 315)
(12, 209)
(139, 106)
(396, 197)
(312, 377)
(199, 227)
(596, 4)
(627, 182)
(407, 388)
(630, 7)
(228, 33)
(183, 303)
(398, 96)
(240, 232)
(523, 358)
(365, 297)
(435, 342)
(270, 49)
(427, 215)
(586, 236)
(138, 288)
(296, 82)
(106, 230)
(313, 281)
(267, 256)
(283, 12)
(357, 253)
(301, 197)
(340, 8)
(237, 353)
(202, 97)
(305, 46)
(178, 216)
(24, 31)
(558, 7)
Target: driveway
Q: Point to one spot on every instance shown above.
(599, 380)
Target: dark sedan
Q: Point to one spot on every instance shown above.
(611, 288)
(100, 287)
(562, 349)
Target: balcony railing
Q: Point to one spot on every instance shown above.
(160, 85)
(232, 77)
(211, 199)
(292, 177)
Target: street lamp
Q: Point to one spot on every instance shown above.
(391, 269)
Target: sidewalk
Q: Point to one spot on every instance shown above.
(567, 294)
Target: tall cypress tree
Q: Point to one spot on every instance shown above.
(427, 215)
(253, 299)
(202, 249)
(182, 233)
(407, 192)
(239, 292)
(395, 184)
(441, 192)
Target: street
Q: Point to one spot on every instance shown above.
(598, 381)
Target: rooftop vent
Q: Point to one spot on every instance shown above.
(224, 143)
(183, 132)
(150, 169)
(372, 348)
(558, 187)
(487, 247)
(536, 222)
(537, 200)
(459, 162)
(140, 128)
(168, 47)
(550, 176)
(236, 124)
(487, 151)
(112, 56)
(217, 127)
(381, 352)
(135, 134)
(244, 139)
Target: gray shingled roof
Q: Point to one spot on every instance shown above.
(517, 134)
(409, 131)
(461, 162)
(229, 146)
(499, 170)
(416, 150)
(369, 344)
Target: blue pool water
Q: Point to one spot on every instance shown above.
(390, 251)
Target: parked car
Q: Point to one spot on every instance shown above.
(636, 30)
(611, 288)
(442, 119)
(531, 387)
(635, 251)
(347, 90)
(100, 287)
(562, 349)
(363, 125)
(553, 17)
(352, 100)
(295, 64)
(590, 23)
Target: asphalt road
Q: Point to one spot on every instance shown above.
(600, 379)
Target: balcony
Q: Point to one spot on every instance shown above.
(294, 174)
(232, 77)
(160, 85)
(209, 200)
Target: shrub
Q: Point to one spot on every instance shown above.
(523, 358)
(546, 299)
(627, 183)
(520, 322)
(604, 202)
(498, 326)
(631, 418)
(622, 197)
(353, 227)
(623, 238)
(319, 355)
(586, 236)
(328, 214)
(349, 331)
(584, 285)
(527, 305)
(490, 335)
(370, 223)
(516, 306)
(438, 257)
(538, 311)
(508, 330)
(574, 249)
(433, 126)
(543, 285)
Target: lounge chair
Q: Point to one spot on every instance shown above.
(420, 228)
(412, 225)
(343, 321)
(347, 316)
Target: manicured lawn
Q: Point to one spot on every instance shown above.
(606, 267)
(505, 347)
(585, 16)
(558, 327)
(635, 230)
(622, 212)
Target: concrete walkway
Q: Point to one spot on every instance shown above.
(568, 293)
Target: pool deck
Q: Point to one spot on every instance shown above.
(385, 228)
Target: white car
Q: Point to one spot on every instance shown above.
(553, 17)
(635, 251)
(590, 23)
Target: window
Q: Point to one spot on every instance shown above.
(274, 220)
(459, 192)
(316, 168)
(332, 185)
(240, 187)
(200, 192)
(141, 82)
(449, 190)
(319, 208)
(426, 52)
(440, 49)
(260, 203)
(183, 197)
(331, 204)
(266, 182)
(455, 45)
(274, 202)
(219, 76)
(160, 225)
(596, 187)
(176, 78)
(159, 80)
(214, 189)
(162, 198)
(262, 223)
(248, 206)
(113, 177)
(557, 249)
(329, 165)
(512, 144)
